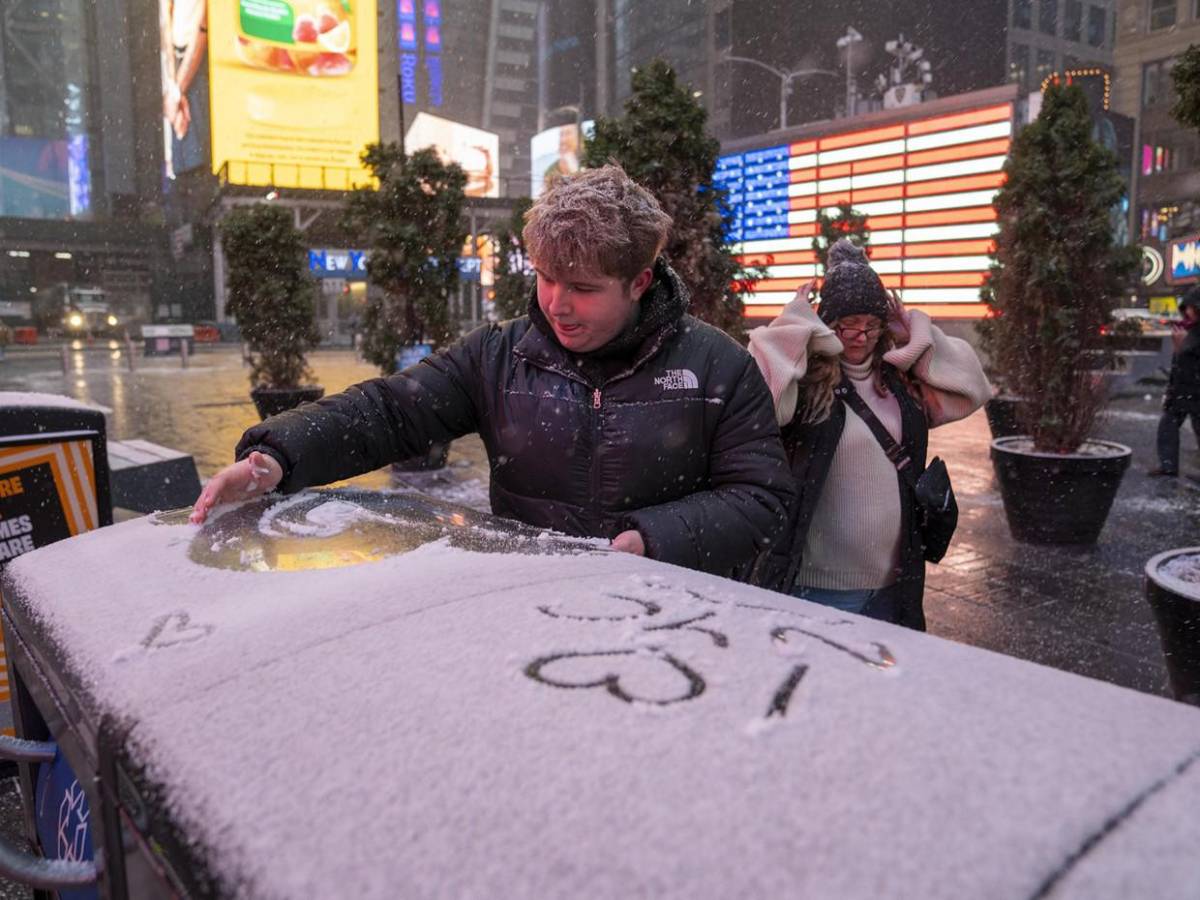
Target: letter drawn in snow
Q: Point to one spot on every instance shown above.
(174, 629)
(578, 670)
(883, 658)
(783, 696)
(649, 608)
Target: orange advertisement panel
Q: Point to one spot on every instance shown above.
(293, 90)
(47, 493)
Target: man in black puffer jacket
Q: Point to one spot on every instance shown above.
(1182, 398)
(606, 412)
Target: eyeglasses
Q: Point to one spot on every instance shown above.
(848, 332)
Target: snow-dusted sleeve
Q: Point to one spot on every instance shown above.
(948, 369)
(782, 349)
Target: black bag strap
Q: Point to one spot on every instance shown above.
(895, 452)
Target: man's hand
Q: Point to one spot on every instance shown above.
(256, 474)
(630, 542)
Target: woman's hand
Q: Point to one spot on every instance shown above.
(254, 475)
(804, 292)
(898, 322)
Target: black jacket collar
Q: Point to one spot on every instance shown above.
(661, 308)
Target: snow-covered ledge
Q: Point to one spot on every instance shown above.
(338, 697)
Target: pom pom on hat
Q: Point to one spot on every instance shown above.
(851, 287)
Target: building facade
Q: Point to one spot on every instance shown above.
(1166, 188)
(77, 218)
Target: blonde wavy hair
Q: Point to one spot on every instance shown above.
(598, 220)
(824, 374)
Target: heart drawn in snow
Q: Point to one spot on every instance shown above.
(632, 676)
(174, 629)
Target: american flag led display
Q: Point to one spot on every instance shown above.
(926, 186)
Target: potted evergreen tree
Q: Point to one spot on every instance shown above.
(413, 224)
(272, 296)
(1055, 276)
(662, 143)
(514, 281)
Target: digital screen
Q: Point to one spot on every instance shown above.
(926, 186)
(35, 178)
(183, 62)
(476, 150)
(554, 153)
(1185, 260)
(294, 91)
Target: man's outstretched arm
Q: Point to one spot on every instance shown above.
(365, 427)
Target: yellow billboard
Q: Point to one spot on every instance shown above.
(294, 91)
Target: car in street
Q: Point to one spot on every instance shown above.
(1144, 321)
(342, 693)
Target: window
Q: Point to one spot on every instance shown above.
(1096, 19)
(1023, 14)
(1157, 159)
(1073, 20)
(1162, 14)
(1048, 16)
(1157, 88)
(1045, 66)
(1018, 67)
(1156, 222)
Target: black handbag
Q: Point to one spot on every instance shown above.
(936, 507)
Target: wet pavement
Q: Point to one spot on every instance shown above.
(1079, 609)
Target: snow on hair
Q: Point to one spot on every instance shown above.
(597, 220)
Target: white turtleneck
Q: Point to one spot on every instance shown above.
(854, 540)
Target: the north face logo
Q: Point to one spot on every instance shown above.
(678, 380)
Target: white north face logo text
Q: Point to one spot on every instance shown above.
(677, 380)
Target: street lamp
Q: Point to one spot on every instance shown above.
(847, 41)
(785, 80)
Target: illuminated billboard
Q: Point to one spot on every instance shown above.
(926, 185)
(553, 153)
(294, 91)
(1185, 260)
(476, 150)
(183, 61)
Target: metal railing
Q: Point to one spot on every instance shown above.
(301, 176)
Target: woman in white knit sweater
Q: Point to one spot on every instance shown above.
(856, 541)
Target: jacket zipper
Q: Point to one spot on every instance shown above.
(597, 433)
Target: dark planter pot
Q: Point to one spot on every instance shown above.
(1002, 416)
(1176, 607)
(434, 459)
(1053, 499)
(271, 401)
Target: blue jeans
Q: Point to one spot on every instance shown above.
(852, 601)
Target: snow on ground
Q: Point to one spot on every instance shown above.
(444, 721)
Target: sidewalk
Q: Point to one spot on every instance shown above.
(1072, 608)
(1078, 609)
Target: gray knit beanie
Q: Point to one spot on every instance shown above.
(851, 287)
